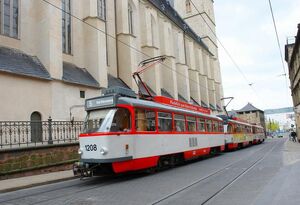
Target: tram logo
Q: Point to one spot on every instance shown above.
(177, 103)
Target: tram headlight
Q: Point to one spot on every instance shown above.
(103, 150)
(80, 151)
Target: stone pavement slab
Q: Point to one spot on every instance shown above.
(284, 187)
(29, 181)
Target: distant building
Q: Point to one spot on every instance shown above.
(292, 57)
(252, 114)
(50, 61)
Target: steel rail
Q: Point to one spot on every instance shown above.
(213, 174)
(239, 176)
(106, 183)
(110, 182)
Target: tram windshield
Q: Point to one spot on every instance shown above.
(108, 120)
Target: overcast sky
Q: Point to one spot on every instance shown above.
(246, 30)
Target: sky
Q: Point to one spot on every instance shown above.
(246, 30)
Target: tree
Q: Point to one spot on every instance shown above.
(272, 126)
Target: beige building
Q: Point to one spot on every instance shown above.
(56, 53)
(292, 57)
(252, 114)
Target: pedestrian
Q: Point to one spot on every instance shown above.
(290, 136)
(294, 136)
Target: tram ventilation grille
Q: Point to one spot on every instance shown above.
(193, 142)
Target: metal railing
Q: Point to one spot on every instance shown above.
(15, 134)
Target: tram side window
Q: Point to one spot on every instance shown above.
(249, 129)
(179, 123)
(221, 127)
(144, 120)
(191, 124)
(238, 129)
(164, 121)
(121, 121)
(229, 128)
(201, 124)
(245, 130)
(216, 126)
(209, 125)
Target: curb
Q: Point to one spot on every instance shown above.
(36, 184)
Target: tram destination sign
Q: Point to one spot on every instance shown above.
(101, 102)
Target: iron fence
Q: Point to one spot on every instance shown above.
(34, 133)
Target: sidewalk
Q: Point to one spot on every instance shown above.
(284, 186)
(291, 153)
(30, 181)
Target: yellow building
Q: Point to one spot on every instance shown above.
(292, 57)
(56, 53)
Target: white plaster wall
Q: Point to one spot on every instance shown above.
(194, 81)
(204, 89)
(64, 96)
(21, 96)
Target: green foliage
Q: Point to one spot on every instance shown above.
(272, 126)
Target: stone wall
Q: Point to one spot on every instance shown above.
(36, 160)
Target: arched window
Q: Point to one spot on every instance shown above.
(101, 9)
(9, 18)
(130, 19)
(188, 6)
(66, 27)
(36, 127)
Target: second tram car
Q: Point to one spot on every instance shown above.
(240, 134)
(258, 134)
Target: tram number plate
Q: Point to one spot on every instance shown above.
(91, 147)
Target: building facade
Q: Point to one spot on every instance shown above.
(252, 114)
(292, 57)
(54, 54)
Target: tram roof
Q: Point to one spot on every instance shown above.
(154, 105)
(239, 122)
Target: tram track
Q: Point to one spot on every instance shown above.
(108, 180)
(239, 176)
(215, 173)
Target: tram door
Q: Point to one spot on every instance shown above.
(36, 127)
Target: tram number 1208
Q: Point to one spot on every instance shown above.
(91, 147)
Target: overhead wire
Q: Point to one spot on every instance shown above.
(124, 43)
(228, 54)
(279, 47)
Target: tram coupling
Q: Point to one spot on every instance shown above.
(82, 169)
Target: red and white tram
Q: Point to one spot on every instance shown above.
(240, 134)
(123, 133)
